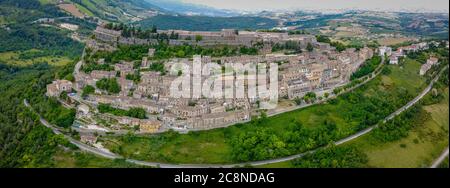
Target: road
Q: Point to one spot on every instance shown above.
(77, 143)
(255, 163)
(441, 158)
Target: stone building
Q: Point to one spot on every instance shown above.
(57, 87)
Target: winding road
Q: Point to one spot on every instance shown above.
(110, 155)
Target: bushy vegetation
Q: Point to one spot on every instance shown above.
(87, 90)
(164, 51)
(132, 112)
(367, 68)
(109, 85)
(157, 67)
(25, 36)
(56, 114)
(338, 45)
(289, 45)
(399, 127)
(264, 144)
(333, 157)
(135, 77)
(24, 141)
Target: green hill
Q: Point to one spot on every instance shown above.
(207, 23)
(111, 10)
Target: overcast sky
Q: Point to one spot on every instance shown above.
(441, 5)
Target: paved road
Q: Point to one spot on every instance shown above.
(255, 163)
(444, 156)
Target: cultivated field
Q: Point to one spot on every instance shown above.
(72, 9)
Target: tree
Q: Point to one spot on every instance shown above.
(154, 29)
(110, 85)
(333, 157)
(323, 38)
(326, 95)
(87, 90)
(198, 38)
(180, 53)
(137, 113)
(298, 101)
(309, 47)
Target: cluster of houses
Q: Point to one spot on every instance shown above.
(401, 51)
(427, 66)
(404, 50)
(317, 71)
(320, 70)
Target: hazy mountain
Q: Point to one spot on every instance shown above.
(177, 6)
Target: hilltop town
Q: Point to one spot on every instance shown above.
(147, 83)
(133, 95)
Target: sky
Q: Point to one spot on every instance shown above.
(252, 5)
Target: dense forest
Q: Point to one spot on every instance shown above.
(333, 157)
(20, 30)
(367, 68)
(23, 140)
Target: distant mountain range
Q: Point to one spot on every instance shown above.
(180, 7)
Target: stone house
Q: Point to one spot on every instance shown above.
(88, 138)
(149, 126)
(57, 87)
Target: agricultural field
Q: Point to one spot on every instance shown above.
(72, 9)
(393, 41)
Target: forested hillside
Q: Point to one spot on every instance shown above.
(24, 142)
(110, 10)
(206, 23)
(18, 32)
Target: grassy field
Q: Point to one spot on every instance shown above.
(404, 79)
(72, 9)
(213, 146)
(444, 164)
(285, 164)
(78, 159)
(393, 41)
(14, 58)
(419, 149)
(84, 10)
